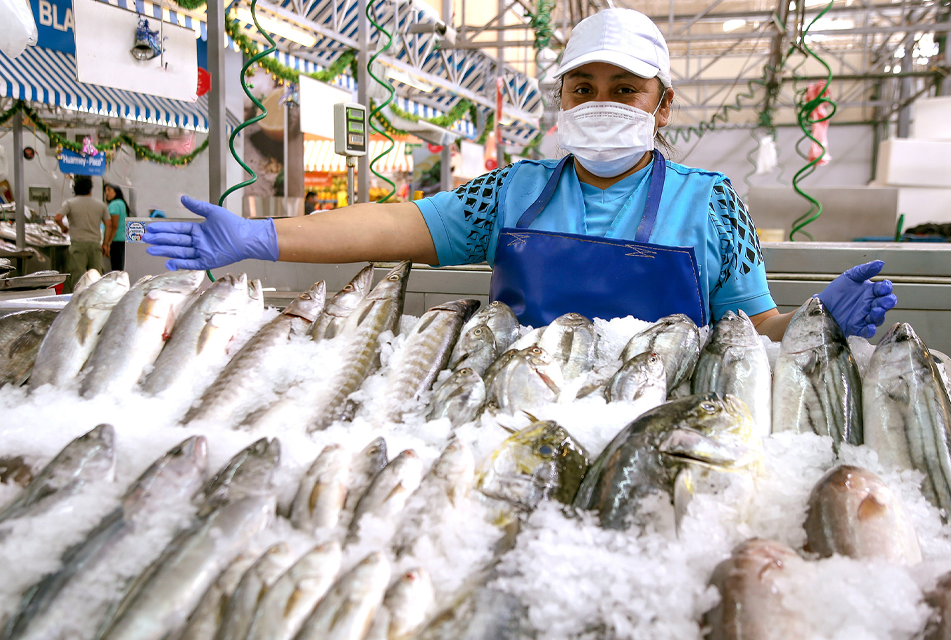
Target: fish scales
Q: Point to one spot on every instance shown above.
(136, 331)
(223, 401)
(75, 332)
(572, 341)
(674, 338)
(286, 605)
(249, 472)
(816, 386)
(734, 361)
(649, 454)
(170, 479)
(460, 397)
(339, 308)
(424, 354)
(201, 337)
(159, 601)
(323, 491)
(91, 456)
(908, 412)
(852, 512)
(239, 614)
(21, 336)
(751, 606)
(390, 489)
(360, 344)
(347, 610)
(204, 621)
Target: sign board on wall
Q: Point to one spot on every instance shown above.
(80, 165)
(317, 100)
(104, 36)
(54, 24)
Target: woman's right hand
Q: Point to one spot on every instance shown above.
(222, 239)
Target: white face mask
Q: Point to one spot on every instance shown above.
(607, 138)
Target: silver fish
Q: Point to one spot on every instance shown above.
(650, 453)
(408, 601)
(322, 402)
(226, 400)
(459, 397)
(751, 596)
(852, 512)
(347, 610)
(391, 488)
(817, 387)
(734, 361)
(204, 621)
(249, 473)
(908, 413)
(501, 321)
(363, 468)
(91, 456)
(21, 335)
(476, 349)
(530, 378)
(323, 491)
(75, 332)
(200, 339)
(445, 487)
(255, 582)
(169, 480)
(572, 341)
(675, 339)
(90, 277)
(336, 312)
(641, 377)
(286, 605)
(159, 601)
(136, 331)
(423, 355)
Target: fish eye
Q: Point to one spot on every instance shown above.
(348, 288)
(465, 372)
(709, 407)
(393, 278)
(545, 450)
(536, 350)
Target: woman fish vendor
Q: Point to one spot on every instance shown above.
(610, 230)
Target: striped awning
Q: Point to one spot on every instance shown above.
(319, 156)
(49, 77)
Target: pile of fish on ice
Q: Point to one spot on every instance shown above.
(449, 477)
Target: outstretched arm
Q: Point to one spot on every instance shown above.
(359, 233)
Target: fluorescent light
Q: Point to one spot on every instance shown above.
(733, 25)
(277, 27)
(409, 79)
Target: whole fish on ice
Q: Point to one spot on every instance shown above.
(908, 412)
(75, 332)
(816, 385)
(21, 336)
(676, 340)
(339, 308)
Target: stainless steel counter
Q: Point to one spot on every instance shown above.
(795, 271)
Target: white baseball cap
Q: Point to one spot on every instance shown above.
(623, 37)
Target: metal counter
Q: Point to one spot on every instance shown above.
(795, 271)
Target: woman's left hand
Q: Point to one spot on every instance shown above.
(858, 304)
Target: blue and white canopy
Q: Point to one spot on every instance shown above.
(49, 77)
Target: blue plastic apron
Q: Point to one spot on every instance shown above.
(543, 275)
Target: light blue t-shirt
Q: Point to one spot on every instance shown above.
(698, 209)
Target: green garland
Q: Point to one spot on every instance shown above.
(541, 23)
(280, 70)
(110, 145)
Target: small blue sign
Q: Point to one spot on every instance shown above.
(134, 231)
(80, 165)
(54, 24)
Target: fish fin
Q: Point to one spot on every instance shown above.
(684, 487)
(530, 417)
(871, 508)
(27, 342)
(341, 614)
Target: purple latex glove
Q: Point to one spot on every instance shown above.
(222, 239)
(858, 305)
